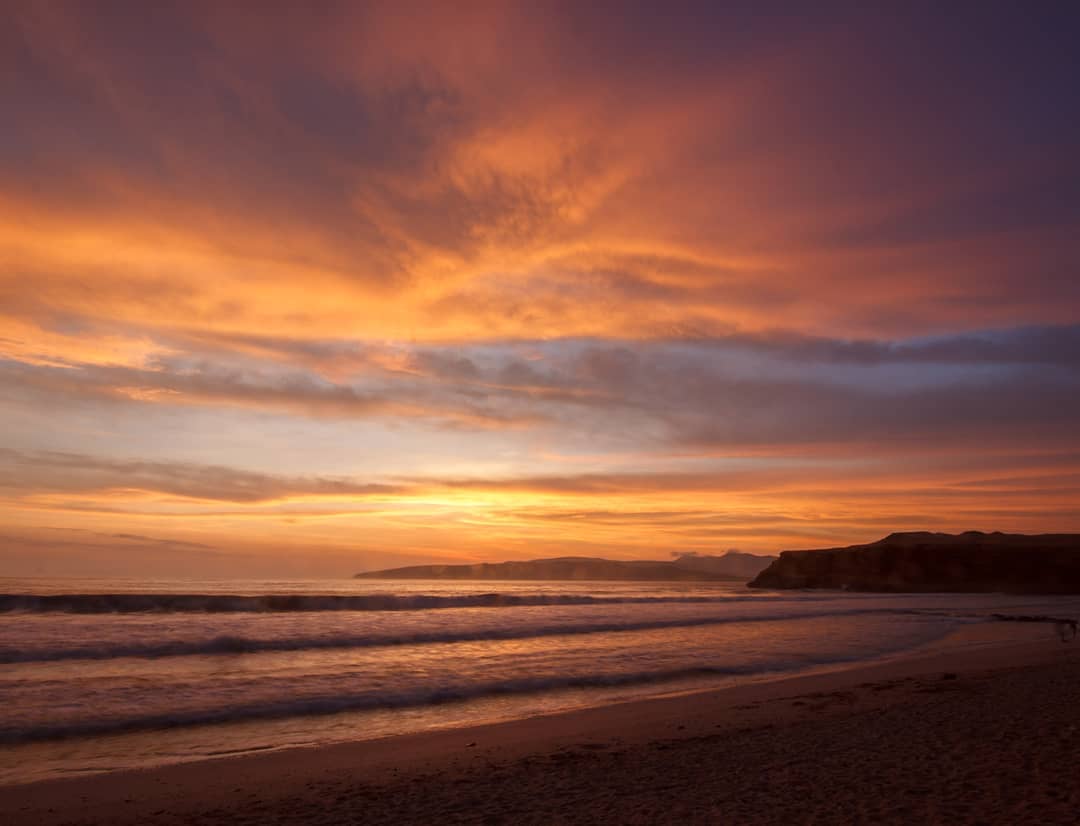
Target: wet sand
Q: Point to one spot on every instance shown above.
(982, 734)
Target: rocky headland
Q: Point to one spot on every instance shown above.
(735, 567)
(923, 562)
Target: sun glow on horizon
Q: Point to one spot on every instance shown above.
(493, 286)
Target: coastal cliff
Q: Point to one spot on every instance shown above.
(968, 562)
(734, 567)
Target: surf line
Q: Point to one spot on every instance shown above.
(1065, 628)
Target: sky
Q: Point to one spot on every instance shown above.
(304, 289)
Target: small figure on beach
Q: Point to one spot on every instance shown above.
(1066, 629)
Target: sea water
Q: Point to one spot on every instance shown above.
(100, 675)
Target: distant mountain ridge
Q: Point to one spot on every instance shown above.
(732, 567)
(973, 562)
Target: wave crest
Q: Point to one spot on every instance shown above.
(232, 644)
(229, 603)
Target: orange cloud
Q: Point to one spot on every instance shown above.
(407, 195)
(588, 281)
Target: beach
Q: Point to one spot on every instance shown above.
(987, 733)
(103, 677)
(524, 413)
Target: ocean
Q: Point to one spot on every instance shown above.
(100, 675)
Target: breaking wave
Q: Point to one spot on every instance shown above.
(228, 603)
(236, 644)
(375, 699)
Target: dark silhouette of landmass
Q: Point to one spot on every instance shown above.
(922, 561)
(734, 567)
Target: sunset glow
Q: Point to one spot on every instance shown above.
(314, 293)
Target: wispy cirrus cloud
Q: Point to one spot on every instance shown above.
(762, 508)
(407, 193)
(741, 393)
(31, 474)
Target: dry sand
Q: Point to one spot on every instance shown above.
(985, 735)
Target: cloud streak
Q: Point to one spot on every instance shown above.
(748, 393)
(30, 474)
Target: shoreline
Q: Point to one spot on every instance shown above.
(569, 701)
(304, 784)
